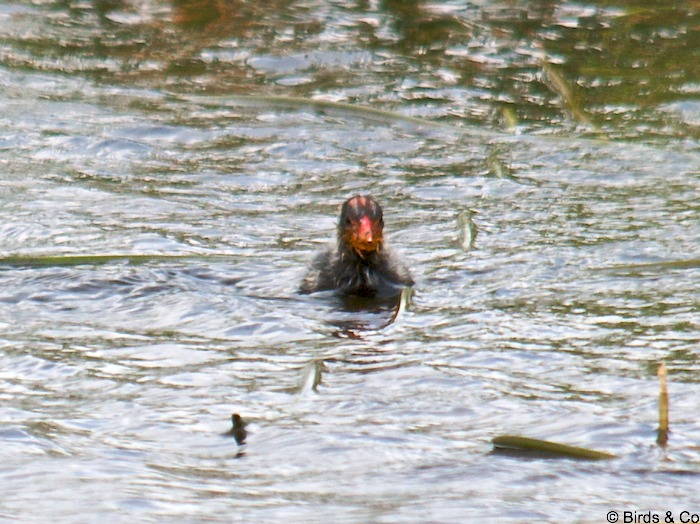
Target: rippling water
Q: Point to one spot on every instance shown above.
(122, 132)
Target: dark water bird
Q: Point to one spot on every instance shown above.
(237, 430)
(360, 264)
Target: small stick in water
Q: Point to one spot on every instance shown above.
(467, 229)
(545, 448)
(311, 376)
(662, 436)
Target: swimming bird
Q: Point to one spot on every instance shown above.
(360, 263)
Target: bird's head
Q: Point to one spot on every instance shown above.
(361, 225)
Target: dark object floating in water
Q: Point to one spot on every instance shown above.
(360, 264)
(662, 434)
(530, 447)
(237, 430)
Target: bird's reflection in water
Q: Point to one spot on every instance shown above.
(363, 314)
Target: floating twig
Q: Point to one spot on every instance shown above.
(467, 229)
(665, 265)
(311, 376)
(510, 118)
(562, 88)
(99, 259)
(321, 106)
(662, 436)
(546, 449)
(401, 306)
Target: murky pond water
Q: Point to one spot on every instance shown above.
(568, 135)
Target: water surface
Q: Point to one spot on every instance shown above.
(570, 131)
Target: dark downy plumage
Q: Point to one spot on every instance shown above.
(360, 264)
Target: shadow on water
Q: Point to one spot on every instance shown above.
(357, 315)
